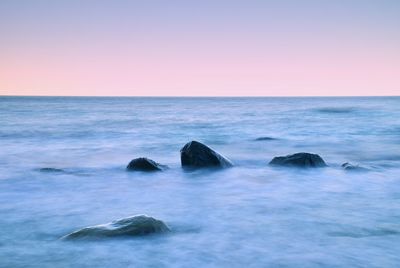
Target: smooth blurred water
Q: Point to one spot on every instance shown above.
(251, 215)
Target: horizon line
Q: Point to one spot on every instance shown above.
(201, 96)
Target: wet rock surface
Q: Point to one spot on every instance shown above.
(198, 155)
(145, 164)
(302, 160)
(138, 225)
(350, 167)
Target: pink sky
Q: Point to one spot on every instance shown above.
(203, 61)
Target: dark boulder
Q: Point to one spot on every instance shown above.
(145, 164)
(132, 226)
(350, 167)
(299, 160)
(197, 155)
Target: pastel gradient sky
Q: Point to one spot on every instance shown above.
(200, 48)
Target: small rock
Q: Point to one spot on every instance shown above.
(299, 160)
(336, 110)
(132, 226)
(145, 164)
(265, 139)
(350, 167)
(47, 169)
(197, 155)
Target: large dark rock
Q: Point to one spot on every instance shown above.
(145, 164)
(299, 160)
(132, 226)
(197, 155)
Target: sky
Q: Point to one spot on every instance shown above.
(200, 48)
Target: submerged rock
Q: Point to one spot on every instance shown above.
(197, 155)
(336, 110)
(145, 164)
(132, 226)
(265, 139)
(350, 167)
(55, 170)
(299, 160)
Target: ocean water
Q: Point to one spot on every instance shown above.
(251, 215)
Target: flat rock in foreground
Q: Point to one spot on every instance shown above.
(132, 226)
(197, 155)
(144, 164)
(303, 160)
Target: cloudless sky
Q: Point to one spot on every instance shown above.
(200, 48)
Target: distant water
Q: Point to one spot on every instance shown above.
(252, 215)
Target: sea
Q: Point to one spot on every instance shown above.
(250, 215)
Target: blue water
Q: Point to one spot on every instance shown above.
(250, 215)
